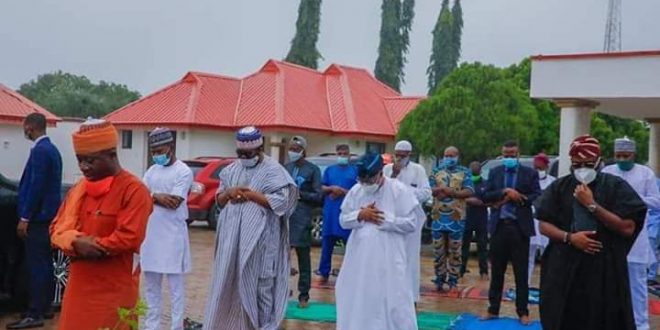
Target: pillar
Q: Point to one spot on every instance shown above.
(575, 121)
(654, 145)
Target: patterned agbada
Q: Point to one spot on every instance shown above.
(249, 286)
(117, 220)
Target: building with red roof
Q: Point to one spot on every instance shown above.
(341, 104)
(15, 148)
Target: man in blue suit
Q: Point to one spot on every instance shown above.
(38, 201)
(512, 189)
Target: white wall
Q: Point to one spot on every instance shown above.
(134, 159)
(15, 150)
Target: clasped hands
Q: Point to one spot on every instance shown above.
(510, 195)
(443, 192)
(86, 247)
(239, 195)
(337, 192)
(372, 214)
(168, 201)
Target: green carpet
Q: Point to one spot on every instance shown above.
(322, 312)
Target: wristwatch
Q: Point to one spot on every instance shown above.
(592, 207)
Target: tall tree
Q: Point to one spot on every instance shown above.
(457, 29)
(69, 95)
(303, 46)
(442, 55)
(476, 108)
(396, 23)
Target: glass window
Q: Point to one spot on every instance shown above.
(375, 147)
(126, 139)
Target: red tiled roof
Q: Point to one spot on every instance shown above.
(14, 108)
(339, 100)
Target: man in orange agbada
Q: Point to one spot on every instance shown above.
(101, 225)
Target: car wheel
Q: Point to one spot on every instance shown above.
(317, 226)
(61, 272)
(212, 218)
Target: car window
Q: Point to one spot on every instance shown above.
(195, 167)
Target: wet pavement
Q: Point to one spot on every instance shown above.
(202, 244)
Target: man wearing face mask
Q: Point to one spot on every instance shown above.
(538, 242)
(249, 285)
(451, 184)
(338, 179)
(511, 190)
(101, 225)
(307, 177)
(476, 221)
(165, 252)
(643, 181)
(414, 177)
(592, 220)
(373, 288)
(39, 196)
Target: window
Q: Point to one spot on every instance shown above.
(126, 139)
(374, 147)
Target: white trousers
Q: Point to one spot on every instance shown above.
(533, 248)
(639, 293)
(154, 297)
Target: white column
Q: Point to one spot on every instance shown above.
(575, 121)
(654, 146)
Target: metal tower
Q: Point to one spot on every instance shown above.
(613, 27)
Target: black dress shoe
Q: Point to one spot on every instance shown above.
(47, 315)
(26, 323)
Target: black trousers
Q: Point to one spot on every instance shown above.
(508, 244)
(305, 271)
(39, 263)
(481, 235)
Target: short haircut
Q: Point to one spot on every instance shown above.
(36, 120)
(510, 144)
(341, 147)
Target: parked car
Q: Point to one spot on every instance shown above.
(201, 200)
(13, 287)
(323, 161)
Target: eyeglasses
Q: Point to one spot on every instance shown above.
(246, 154)
(371, 180)
(588, 164)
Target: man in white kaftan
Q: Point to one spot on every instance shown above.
(373, 288)
(643, 181)
(539, 242)
(413, 176)
(165, 252)
(249, 287)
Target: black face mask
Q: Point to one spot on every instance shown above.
(27, 135)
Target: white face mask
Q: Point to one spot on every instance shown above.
(585, 175)
(249, 163)
(542, 174)
(403, 161)
(370, 189)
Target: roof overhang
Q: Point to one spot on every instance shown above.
(625, 84)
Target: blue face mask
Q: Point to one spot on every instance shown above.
(161, 160)
(450, 161)
(342, 160)
(510, 162)
(294, 156)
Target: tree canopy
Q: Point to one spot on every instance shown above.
(477, 107)
(69, 95)
(396, 22)
(303, 46)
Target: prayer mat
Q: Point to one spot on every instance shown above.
(324, 312)
(472, 322)
(534, 295)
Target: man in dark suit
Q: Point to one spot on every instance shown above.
(511, 189)
(39, 197)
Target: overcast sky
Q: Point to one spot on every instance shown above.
(147, 44)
